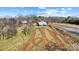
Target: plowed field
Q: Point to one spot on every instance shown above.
(49, 38)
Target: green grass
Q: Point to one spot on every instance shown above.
(76, 37)
(15, 43)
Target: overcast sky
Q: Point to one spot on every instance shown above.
(39, 11)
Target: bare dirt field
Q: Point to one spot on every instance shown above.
(50, 38)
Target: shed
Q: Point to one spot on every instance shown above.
(41, 23)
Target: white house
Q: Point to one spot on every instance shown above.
(41, 23)
(24, 22)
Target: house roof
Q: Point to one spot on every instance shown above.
(42, 23)
(24, 21)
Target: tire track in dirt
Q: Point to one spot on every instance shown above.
(27, 44)
(65, 43)
(44, 38)
(63, 39)
(58, 41)
(68, 39)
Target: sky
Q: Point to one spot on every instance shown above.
(39, 11)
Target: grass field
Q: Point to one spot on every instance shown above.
(42, 38)
(15, 43)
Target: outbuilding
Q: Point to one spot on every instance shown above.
(41, 23)
(24, 22)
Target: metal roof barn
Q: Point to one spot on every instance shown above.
(42, 23)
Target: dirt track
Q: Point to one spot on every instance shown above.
(39, 41)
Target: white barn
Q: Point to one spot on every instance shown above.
(41, 23)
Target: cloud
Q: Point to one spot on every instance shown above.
(42, 7)
(69, 8)
(39, 12)
(62, 12)
(31, 11)
(3, 14)
(62, 8)
(54, 11)
(51, 12)
(25, 11)
(7, 14)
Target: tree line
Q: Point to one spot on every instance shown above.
(8, 25)
(72, 20)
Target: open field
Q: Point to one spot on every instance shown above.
(35, 29)
(72, 29)
(15, 43)
(51, 38)
(43, 38)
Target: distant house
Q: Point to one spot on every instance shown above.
(24, 22)
(41, 23)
